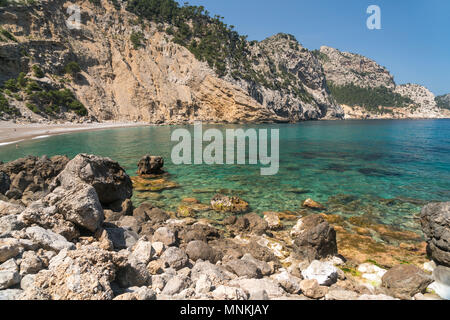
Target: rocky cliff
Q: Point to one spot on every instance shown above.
(443, 101)
(130, 62)
(367, 90)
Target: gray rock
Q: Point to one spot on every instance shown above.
(288, 282)
(264, 267)
(9, 274)
(164, 235)
(150, 165)
(122, 238)
(108, 178)
(203, 285)
(142, 252)
(129, 222)
(27, 281)
(10, 294)
(244, 268)
(200, 250)
(272, 288)
(324, 272)
(10, 223)
(159, 281)
(80, 205)
(176, 284)
(441, 286)
(216, 274)
(314, 238)
(8, 208)
(259, 295)
(435, 220)
(31, 263)
(341, 294)
(405, 281)
(381, 297)
(48, 239)
(9, 248)
(175, 258)
(229, 293)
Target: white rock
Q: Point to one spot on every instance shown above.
(429, 266)
(159, 248)
(203, 285)
(10, 294)
(229, 293)
(142, 252)
(49, 239)
(288, 282)
(324, 272)
(252, 286)
(27, 281)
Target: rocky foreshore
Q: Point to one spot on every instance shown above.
(69, 231)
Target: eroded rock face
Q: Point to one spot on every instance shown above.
(108, 178)
(405, 281)
(83, 274)
(314, 238)
(435, 220)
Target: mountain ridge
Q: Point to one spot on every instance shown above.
(129, 68)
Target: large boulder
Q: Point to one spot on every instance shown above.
(314, 238)
(150, 165)
(435, 220)
(108, 178)
(32, 173)
(200, 250)
(404, 281)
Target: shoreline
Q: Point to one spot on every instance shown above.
(11, 133)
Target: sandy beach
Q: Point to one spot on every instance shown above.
(13, 133)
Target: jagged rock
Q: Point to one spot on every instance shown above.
(129, 222)
(10, 223)
(121, 238)
(264, 267)
(176, 284)
(222, 203)
(142, 252)
(8, 208)
(324, 272)
(311, 289)
(82, 274)
(108, 178)
(435, 220)
(250, 223)
(5, 182)
(133, 274)
(229, 293)
(165, 235)
(203, 285)
(288, 282)
(47, 239)
(9, 274)
(148, 212)
(404, 281)
(175, 258)
(10, 294)
(200, 250)
(273, 220)
(45, 215)
(9, 248)
(27, 281)
(216, 274)
(150, 165)
(251, 286)
(31, 263)
(78, 204)
(314, 238)
(244, 269)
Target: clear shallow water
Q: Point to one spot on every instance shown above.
(382, 169)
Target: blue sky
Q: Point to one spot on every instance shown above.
(414, 42)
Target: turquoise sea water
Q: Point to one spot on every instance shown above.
(382, 169)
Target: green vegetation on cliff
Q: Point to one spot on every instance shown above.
(443, 102)
(369, 98)
(6, 108)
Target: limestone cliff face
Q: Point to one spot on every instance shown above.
(292, 81)
(343, 68)
(158, 82)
